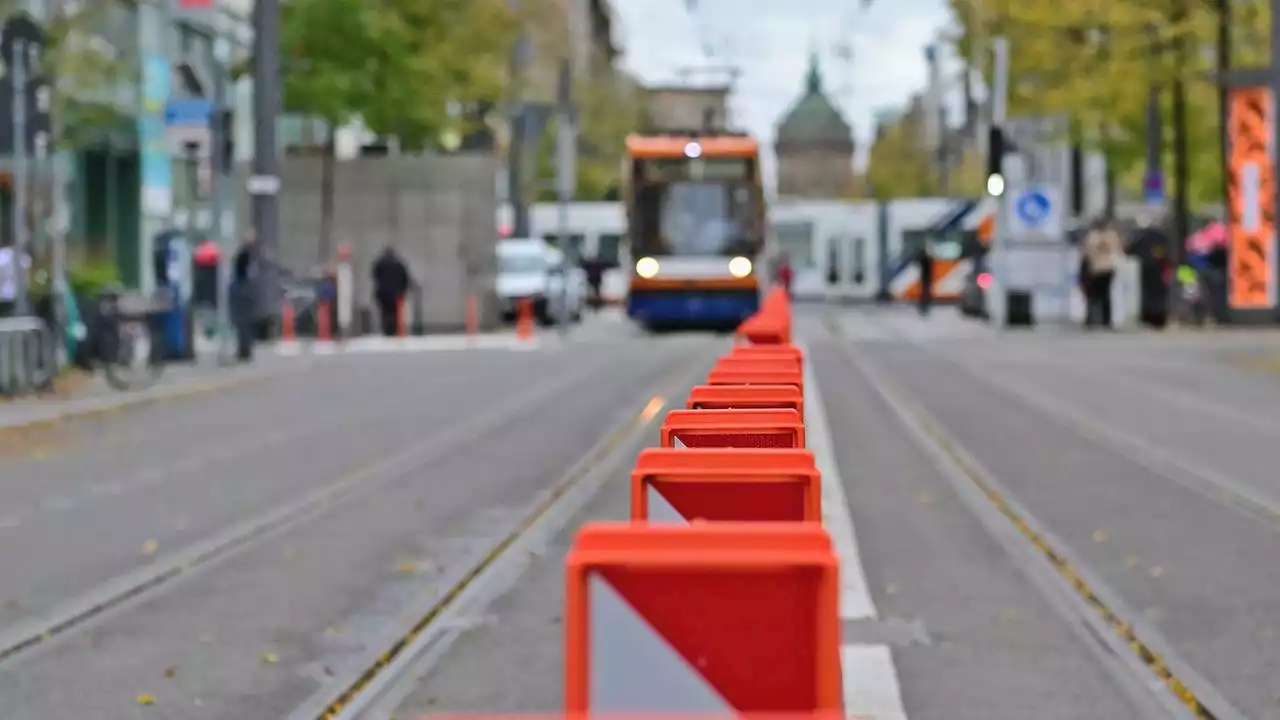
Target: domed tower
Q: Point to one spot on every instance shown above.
(814, 145)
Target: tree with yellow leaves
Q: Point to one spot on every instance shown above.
(899, 164)
(1096, 62)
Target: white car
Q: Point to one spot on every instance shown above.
(530, 268)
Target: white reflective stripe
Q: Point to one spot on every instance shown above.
(953, 283)
(673, 267)
(676, 442)
(910, 275)
(660, 509)
(632, 669)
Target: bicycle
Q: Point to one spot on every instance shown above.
(123, 348)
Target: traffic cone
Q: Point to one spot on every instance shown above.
(524, 319)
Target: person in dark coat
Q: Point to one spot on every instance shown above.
(204, 294)
(595, 278)
(244, 278)
(926, 279)
(391, 284)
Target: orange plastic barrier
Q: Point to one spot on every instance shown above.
(524, 319)
(761, 428)
(288, 322)
(324, 317)
(473, 316)
(660, 618)
(757, 364)
(745, 397)
(738, 375)
(771, 325)
(789, 353)
(721, 594)
(726, 485)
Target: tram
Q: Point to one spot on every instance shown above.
(696, 226)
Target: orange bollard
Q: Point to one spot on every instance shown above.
(288, 329)
(524, 319)
(473, 316)
(323, 331)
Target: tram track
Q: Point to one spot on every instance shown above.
(1148, 667)
(150, 581)
(388, 672)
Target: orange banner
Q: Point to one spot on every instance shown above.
(1251, 222)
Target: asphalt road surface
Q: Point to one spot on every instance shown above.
(228, 555)
(1143, 463)
(1045, 524)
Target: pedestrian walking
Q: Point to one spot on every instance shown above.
(205, 260)
(1103, 248)
(925, 261)
(245, 271)
(9, 281)
(391, 283)
(784, 273)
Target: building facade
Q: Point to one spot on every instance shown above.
(814, 145)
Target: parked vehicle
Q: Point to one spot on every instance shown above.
(532, 269)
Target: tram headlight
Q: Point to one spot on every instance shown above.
(740, 267)
(646, 267)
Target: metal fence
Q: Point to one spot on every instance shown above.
(28, 355)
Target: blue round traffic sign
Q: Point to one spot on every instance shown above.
(1033, 207)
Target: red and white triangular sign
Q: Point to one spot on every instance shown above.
(726, 485)
(634, 669)
(710, 618)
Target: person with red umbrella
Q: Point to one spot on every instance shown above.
(206, 259)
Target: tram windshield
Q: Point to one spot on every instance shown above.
(686, 208)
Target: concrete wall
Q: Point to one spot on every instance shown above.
(817, 173)
(682, 108)
(438, 212)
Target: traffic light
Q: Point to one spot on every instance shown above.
(995, 161)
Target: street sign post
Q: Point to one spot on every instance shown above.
(1036, 215)
(1153, 188)
(188, 132)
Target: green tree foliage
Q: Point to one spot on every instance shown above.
(1095, 62)
(609, 107)
(899, 165)
(406, 68)
(85, 69)
(436, 61)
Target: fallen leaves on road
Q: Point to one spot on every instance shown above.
(171, 671)
(1131, 562)
(1099, 536)
(146, 699)
(149, 547)
(408, 568)
(270, 658)
(1157, 571)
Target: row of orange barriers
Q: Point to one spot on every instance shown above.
(324, 315)
(721, 595)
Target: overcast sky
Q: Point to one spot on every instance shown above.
(770, 42)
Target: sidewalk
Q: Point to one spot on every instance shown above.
(92, 395)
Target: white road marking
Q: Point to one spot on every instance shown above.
(415, 344)
(871, 687)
